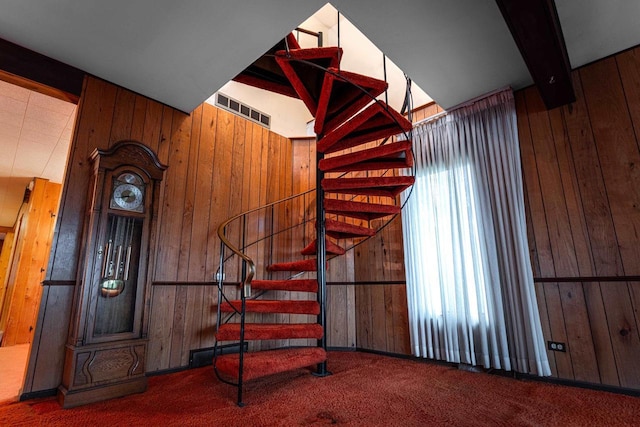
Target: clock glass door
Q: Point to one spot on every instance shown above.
(118, 279)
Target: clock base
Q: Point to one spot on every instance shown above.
(98, 372)
(71, 399)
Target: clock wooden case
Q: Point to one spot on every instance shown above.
(106, 348)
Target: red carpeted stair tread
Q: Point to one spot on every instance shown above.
(299, 65)
(269, 362)
(331, 248)
(302, 265)
(360, 210)
(396, 155)
(269, 331)
(342, 230)
(343, 95)
(377, 121)
(377, 186)
(273, 306)
(265, 73)
(298, 285)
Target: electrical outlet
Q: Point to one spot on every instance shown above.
(557, 346)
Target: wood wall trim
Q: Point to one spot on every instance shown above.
(40, 73)
(211, 283)
(584, 279)
(205, 283)
(58, 283)
(368, 283)
(423, 106)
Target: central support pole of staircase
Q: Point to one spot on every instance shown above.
(321, 258)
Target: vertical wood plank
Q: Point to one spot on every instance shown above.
(163, 299)
(46, 359)
(181, 333)
(629, 68)
(301, 182)
(122, 116)
(172, 203)
(139, 116)
(210, 142)
(197, 231)
(237, 193)
(152, 130)
(363, 300)
(623, 332)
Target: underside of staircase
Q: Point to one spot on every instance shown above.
(356, 132)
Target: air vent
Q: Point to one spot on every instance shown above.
(243, 110)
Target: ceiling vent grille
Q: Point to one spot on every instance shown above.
(241, 109)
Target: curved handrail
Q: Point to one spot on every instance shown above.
(246, 281)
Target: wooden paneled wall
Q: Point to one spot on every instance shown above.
(581, 165)
(381, 309)
(581, 172)
(219, 166)
(26, 260)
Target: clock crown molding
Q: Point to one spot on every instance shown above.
(130, 152)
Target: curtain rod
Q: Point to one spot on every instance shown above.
(461, 105)
(431, 118)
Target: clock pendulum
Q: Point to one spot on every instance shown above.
(117, 260)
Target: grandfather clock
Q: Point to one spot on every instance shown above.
(106, 348)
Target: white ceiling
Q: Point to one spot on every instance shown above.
(180, 53)
(35, 131)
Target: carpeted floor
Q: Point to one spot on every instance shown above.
(364, 390)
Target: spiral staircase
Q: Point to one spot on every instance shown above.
(356, 132)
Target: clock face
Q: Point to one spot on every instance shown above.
(128, 193)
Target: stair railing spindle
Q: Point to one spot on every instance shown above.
(220, 270)
(321, 259)
(271, 239)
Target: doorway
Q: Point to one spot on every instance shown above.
(35, 135)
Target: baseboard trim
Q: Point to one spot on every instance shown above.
(38, 394)
(342, 349)
(515, 375)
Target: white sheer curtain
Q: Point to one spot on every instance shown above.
(469, 282)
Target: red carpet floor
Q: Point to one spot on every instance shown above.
(365, 390)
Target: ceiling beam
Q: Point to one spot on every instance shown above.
(536, 29)
(26, 68)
